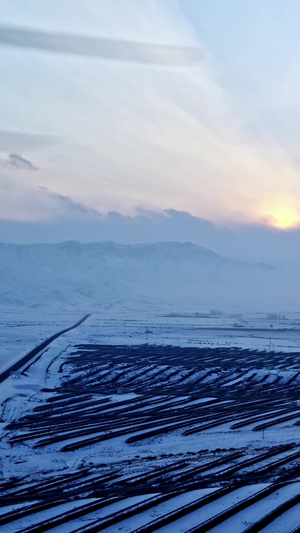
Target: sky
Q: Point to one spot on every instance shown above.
(115, 108)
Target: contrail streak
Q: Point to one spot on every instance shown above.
(14, 140)
(109, 49)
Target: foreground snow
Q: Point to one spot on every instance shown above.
(81, 388)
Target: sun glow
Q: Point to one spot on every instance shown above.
(284, 218)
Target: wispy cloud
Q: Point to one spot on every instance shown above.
(110, 49)
(66, 206)
(17, 140)
(25, 201)
(136, 136)
(18, 161)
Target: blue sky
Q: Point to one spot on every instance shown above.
(217, 138)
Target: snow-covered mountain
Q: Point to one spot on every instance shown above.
(89, 275)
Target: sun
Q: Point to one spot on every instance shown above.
(284, 218)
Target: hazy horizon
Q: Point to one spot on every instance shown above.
(246, 242)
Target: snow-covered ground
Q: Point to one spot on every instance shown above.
(135, 325)
(103, 329)
(22, 330)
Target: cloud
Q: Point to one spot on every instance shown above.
(18, 161)
(14, 140)
(66, 206)
(110, 49)
(24, 201)
(138, 136)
